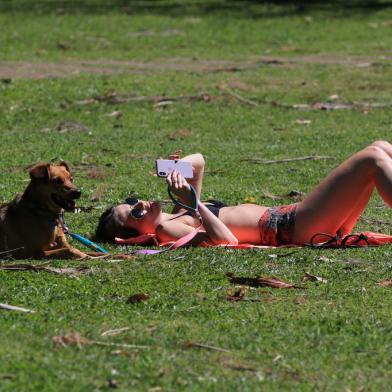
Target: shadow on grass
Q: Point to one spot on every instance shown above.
(245, 8)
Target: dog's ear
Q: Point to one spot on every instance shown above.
(40, 171)
(65, 164)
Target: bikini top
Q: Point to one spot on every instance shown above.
(213, 205)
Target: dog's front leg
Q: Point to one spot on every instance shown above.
(62, 249)
(65, 253)
(61, 239)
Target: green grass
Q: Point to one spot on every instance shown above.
(330, 336)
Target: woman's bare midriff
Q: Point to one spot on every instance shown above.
(243, 221)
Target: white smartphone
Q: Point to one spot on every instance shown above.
(166, 166)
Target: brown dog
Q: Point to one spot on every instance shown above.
(30, 226)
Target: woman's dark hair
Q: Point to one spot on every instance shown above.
(109, 227)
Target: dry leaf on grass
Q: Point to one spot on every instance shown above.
(250, 199)
(372, 221)
(69, 270)
(114, 98)
(238, 294)
(15, 308)
(15, 169)
(163, 103)
(8, 253)
(70, 126)
(326, 259)
(351, 262)
(98, 193)
(113, 383)
(76, 339)
(116, 331)
(71, 339)
(136, 298)
(302, 122)
(97, 173)
(261, 281)
(180, 134)
(241, 98)
(236, 85)
(7, 376)
(299, 300)
(206, 346)
(124, 353)
(44, 267)
(335, 105)
(150, 33)
(63, 46)
(21, 267)
(80, 209)
(294, 195)
(269, 299)
(157, 389)
(314, 278)
(385, 283)
(110, 98)
(115, 114)
(201, 296)
(85, 166)
(232, 363)
(333, 97)
(268, 161)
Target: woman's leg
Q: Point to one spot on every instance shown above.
(386, 146)
(347, 226)
(338, 201)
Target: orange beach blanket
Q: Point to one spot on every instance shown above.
(366, 238)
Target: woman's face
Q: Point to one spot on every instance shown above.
(145, 220)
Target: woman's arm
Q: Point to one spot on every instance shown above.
(198, 165)
(217, 231)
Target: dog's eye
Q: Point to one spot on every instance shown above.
(58, 180)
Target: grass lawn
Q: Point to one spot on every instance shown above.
(224, 78)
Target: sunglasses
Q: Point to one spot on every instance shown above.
(136, 213)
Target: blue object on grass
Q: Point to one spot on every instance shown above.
(88, 243)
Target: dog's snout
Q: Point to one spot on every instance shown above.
(76, 193)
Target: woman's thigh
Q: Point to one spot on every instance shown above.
(334, 201)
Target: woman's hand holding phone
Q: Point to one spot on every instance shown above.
(180, 187)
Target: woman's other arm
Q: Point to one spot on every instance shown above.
(198, 164)
(217, 231)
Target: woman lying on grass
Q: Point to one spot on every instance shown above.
(333, 207)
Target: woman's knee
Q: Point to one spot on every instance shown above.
(373, 158)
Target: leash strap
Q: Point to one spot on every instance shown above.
(186, 238)
(335, 241)
(193, 208)
(83, 240)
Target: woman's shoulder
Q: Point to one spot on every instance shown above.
(176, 228)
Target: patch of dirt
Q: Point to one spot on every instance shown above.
(30, 70)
